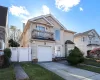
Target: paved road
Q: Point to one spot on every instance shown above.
(69, 72)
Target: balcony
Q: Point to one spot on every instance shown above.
(42, 35)
(95, 43)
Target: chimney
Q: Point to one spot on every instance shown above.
(23, 26)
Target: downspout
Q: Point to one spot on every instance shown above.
(65, 50)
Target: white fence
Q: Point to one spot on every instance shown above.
(20, 54)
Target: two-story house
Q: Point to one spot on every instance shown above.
(87, 41)
(47, 37)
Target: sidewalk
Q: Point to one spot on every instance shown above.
(20, 73)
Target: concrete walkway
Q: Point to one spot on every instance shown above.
(69, 72)
(20, 73)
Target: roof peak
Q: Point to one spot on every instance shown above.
(83, 33)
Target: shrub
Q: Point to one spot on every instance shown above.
(95, 53)
(6, 62)
(7, 55)
(7, 52)
(13, 43)
(75, 56)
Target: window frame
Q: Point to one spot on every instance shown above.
(83, 39)
(39, 27)
(55, 37)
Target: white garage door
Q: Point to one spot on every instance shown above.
(44, 53)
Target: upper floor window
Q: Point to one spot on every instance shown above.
(83, 39)
(40, 28)
(57, 34)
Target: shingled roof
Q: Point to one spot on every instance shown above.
(69, 42)
(93, 45)
(84, 33)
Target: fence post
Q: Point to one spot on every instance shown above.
(28, 53)
(17, 55)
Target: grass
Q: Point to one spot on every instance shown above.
(91, 62)
(7, 73)
(89, 68)
(36, 72)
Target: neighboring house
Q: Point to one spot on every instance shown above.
(3, 27)
(47, 37)
(87, 41)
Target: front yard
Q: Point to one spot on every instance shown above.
(90, 65)
(92, 62)
(7, 73)
(36, 72)
(89, 68)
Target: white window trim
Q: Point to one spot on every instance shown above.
(41, 26)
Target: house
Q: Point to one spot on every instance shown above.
(47, 37)
(3, 28)
(87, 41)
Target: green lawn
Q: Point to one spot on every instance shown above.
(89, 68)
(36, 72)
(91, 62)
(7, 73)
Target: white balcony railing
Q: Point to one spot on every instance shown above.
(37, 34)
(94, 42)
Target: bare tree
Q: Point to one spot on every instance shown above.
(14, 33)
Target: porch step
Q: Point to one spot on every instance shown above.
(60, 58)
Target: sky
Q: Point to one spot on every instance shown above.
(75, 15)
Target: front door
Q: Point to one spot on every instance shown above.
(57, 51)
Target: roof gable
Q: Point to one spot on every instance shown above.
(84, 33)
(53, 20)
(45, 17)
(93, 31)
(40, 19)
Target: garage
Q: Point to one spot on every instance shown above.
(44, 53)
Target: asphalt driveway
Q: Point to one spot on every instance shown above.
(69, 72)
